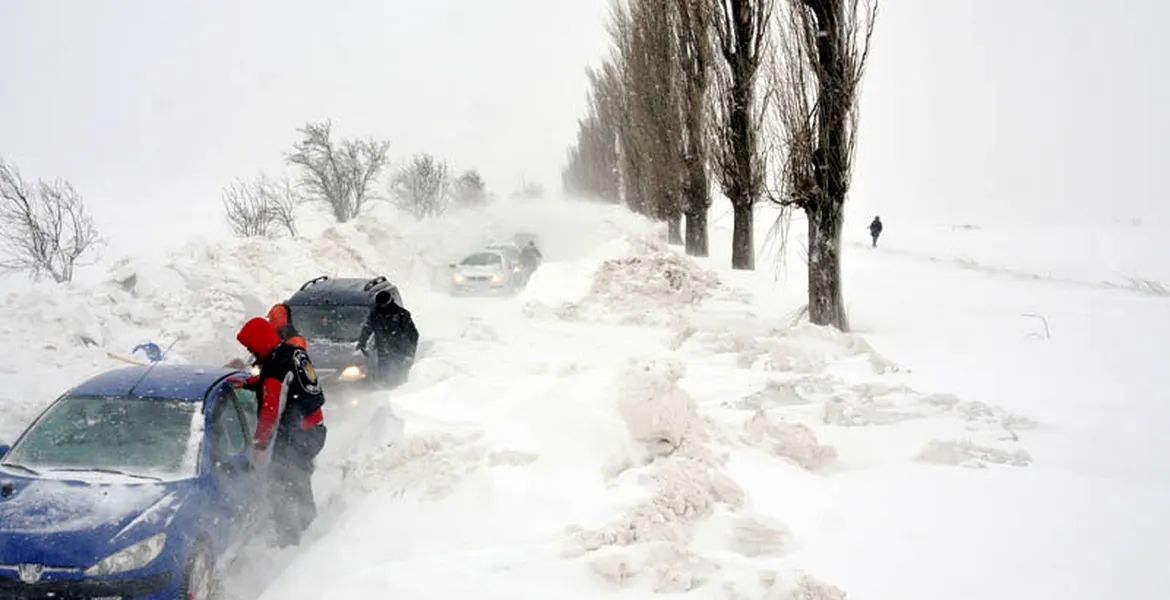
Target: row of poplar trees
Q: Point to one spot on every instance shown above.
(757, 98)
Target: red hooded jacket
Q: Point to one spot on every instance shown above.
(283, 366)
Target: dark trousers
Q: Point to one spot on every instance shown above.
(290, 490)
(875, 235)
(391, 371)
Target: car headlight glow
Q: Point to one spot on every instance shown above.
(131, 558)
(352, 373)
(497, 278)
(458, 278)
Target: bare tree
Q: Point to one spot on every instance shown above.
(261, 207)
(693, 28)
(824, 46)
(592, 167)
(741, 35)
(341, 174)
(469, 190)
(632, 176)
(44, 227)
(423, 186)
(653, 82)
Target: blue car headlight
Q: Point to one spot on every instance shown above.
(128, 559)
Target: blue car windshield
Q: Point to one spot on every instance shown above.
(138, 436)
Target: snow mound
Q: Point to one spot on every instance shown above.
(795, 441)
(647, 283)
(678, 458)
(757, 535)
(807, 348)
(431, 464)
(965, 453)
(671, 455)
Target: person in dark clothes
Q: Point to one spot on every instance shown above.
(875, 229)
(395, 340)
(530, 257)
(290, 421)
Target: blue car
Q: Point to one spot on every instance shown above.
(135, 484)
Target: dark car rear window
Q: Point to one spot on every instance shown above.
(329, 322)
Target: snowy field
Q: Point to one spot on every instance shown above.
(637, 423)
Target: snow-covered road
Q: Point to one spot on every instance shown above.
(638, 423)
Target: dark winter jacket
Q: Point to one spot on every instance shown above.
(395, 336)
(875, 227)
(530, 256)
(287, 385)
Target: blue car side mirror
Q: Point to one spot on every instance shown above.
(4, 448)
(236, 463)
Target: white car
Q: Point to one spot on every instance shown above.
(488, 271)
(511, 249)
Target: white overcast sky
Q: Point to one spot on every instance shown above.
(972, 107)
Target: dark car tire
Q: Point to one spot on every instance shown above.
(199, 577)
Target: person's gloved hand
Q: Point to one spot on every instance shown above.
(360, 348)
(236, 382)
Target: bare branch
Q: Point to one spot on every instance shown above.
(261, 207)
(422, 187)
(44, 227)
(469, 190)
(341, 175)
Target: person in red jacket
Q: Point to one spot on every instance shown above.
(281, 319)
(290, 421)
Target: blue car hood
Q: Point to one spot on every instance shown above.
(75, 524)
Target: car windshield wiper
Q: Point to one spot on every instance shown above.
(111, 471)
(21, 467)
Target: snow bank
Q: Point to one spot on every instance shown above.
(197, 296)
(678, 456)
(637, 281)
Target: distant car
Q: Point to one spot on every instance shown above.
(488, 271)
(329, 314)
(508, 249)
(135, 484)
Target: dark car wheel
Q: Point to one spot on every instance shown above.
(199, 578)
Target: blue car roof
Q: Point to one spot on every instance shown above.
(167, 382)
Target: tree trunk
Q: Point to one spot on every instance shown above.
(743, 255)
(696, 238)
(674, 228)
(696, 202)
(826, 303)
(743, 152)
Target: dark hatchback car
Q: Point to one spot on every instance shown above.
(329, 314)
